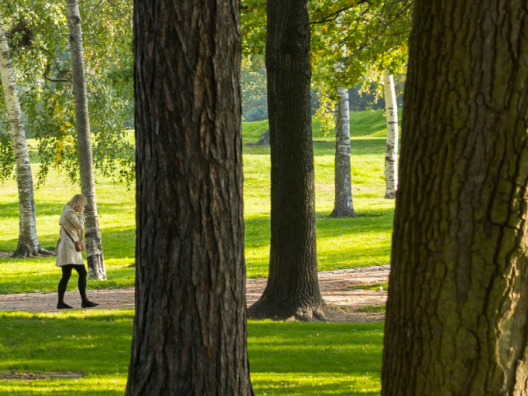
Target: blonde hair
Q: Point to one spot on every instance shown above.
(77, 200)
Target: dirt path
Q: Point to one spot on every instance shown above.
(343, 300)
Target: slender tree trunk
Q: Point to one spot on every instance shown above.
(343, 185)
(94, 248)
(293, 288)
(391, 152)
(190, 325)
(28, 244)
(458, 294)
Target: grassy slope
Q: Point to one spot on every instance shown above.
(342, 243)
(286, 358)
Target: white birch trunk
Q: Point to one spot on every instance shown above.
(343, 185)
(94, 250)
(391, 153)
(343, 206)
(28, 244)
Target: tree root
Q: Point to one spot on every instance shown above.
(25, 251)
(348, 212)
(96, 267)
(310, 315)
(45, 253)
(267, 309)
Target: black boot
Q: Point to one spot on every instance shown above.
(63, 305)
(88, 304)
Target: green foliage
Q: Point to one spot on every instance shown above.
(352, 42)
(253, 25)
(38, 34)
(374, 34)
(7, 156)
(254, 89)
(286, 358)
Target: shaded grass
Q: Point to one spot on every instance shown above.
(373, 309)
(341, 243)
(286, 358)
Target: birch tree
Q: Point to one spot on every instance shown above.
(94, 250)
(343, 184)
(37, 33)
(458, 291)
(391, 151)
(28, 244)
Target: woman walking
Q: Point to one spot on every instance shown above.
(68, 257)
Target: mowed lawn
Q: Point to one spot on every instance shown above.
(341, 243)
(286, 358)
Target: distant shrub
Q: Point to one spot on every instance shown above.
(256, 114)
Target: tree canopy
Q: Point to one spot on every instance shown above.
(38, 34)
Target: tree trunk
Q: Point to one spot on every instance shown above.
(28, 244)
(391, 151)
(293, 288)
(343, 206)
(458, 294)
(190, 325)
(94, 248)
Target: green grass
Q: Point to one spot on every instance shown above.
(373, 309)
(372, 286)
(286, 358)
(341, 243)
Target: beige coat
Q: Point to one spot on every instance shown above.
(74, 223)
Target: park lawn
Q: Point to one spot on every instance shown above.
(341, 243)
(286, 358)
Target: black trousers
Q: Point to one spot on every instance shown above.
(66, 274)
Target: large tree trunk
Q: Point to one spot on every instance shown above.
(28, 244)
(458, 293)
(190, 325)
(343, 185)
(94, 248)
(293, 288)
(391, 151)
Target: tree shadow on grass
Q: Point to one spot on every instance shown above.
(315, 358)
(287, 358)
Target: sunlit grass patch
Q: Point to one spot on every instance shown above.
(286, 357)
(341, 243)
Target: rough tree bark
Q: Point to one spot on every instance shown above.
(391, 151)
(343, 205)
(94, 248)
(28, 244)
(458, 294)
(190, 324)
(293, 288)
